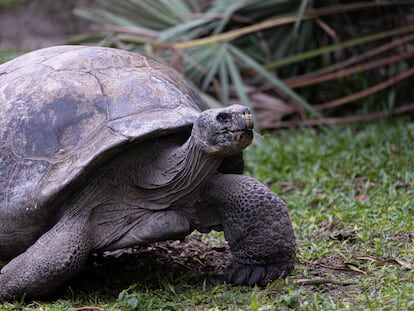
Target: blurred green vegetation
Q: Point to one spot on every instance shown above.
(300, 61)
(12, 4)
(7, 54)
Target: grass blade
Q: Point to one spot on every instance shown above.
(224, 81)
(304, 4)
(217, 60)
(237, 80)
(180, 31)
(176, 7)
(228, 13)
(159, 12)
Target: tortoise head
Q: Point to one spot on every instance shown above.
(224, 131)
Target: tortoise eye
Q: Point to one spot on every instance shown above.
(223, 117)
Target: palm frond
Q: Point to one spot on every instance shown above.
(251, 51)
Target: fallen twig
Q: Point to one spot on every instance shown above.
(347, 119)
(350, 61)
(346, 72)
(376, 88)
(308, 282)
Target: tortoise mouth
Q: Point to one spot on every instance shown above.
(248, 120)
(240, 138)
(240, 122)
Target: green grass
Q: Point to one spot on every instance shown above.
(350, 191)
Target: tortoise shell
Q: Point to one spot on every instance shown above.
(66, 109)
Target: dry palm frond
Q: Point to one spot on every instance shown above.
(281, 49)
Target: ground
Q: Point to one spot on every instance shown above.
(350, 192)
(192, 260)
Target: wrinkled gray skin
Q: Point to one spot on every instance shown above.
(102, 149)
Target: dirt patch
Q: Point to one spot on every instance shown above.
(190, 262)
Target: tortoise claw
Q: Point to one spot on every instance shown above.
(239, 274)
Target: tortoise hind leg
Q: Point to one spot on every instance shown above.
(52, 259)
(257, 227)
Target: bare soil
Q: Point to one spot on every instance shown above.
(192, 262)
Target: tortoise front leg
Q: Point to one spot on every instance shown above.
(55, 257)
(257, 227)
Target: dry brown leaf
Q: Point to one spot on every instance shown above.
(362, 197)
(354, 267)
(404, 264)
(88, 308)
(343, 235)
(383, 262)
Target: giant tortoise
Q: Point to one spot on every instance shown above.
(103, 149)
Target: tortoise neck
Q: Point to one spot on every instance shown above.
(175, 175)
(191, 165)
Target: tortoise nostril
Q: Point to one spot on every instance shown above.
(223, 117)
